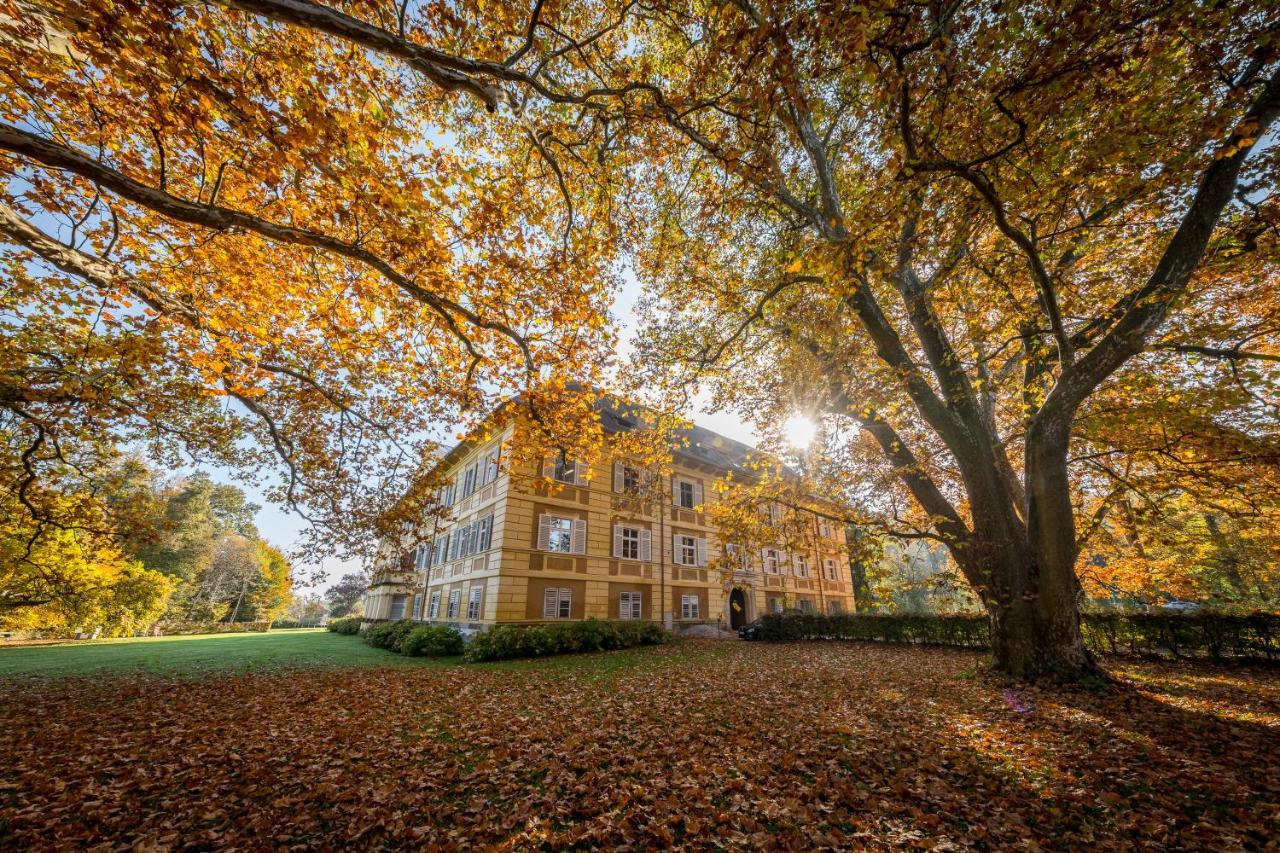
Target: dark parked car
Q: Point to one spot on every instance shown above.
(750, 631)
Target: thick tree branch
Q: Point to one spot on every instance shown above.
(451, 73)
(1147, 307)
(224, 219)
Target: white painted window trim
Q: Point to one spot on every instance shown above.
(630, 605)
(557, 603)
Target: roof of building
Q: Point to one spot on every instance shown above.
(697, 443)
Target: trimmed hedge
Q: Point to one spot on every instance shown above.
(173, 629)
(432, 641)
(970, 631)
(347, 626)
(1213, 635)
(1218, 636)
(592, 635)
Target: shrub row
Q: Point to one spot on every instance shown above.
(170, 629)
(348, 626)
(1217, 636)
(591, 635)
(407, 637)
(971, 631)
(1213, 635)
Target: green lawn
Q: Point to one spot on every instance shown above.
(199, 654)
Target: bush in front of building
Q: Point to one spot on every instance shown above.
(949, 630)
(389, 635)
(1218, 636)
(591, 635)
(432, 641)
(347, 626)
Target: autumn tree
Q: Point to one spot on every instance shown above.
(344, 596)
(236, 240)
(961, 234)
(73, 578)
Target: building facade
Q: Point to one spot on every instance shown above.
(569, 540)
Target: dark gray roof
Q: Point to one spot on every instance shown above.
(696, 443)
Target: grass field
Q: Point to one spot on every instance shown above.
(198, 654)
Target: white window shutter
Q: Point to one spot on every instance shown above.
(675, 491)
(579, 472)
(646, 545)
(549, 467)
(617, 477)
(544, 532)
(550, 603)
(697, 494)
(675, 549)
(701, 548)
(617, 540)
(579, 536)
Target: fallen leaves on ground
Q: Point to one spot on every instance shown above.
(729, 745)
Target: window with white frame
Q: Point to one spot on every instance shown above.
(442, 549)
(629, 605)
(626, 478)
(689, 607)
(802, 565)
(455, 597)
(566, 470)
(557, 603)
(397, 606)
(484, 534)
(562, 534)
(687, 494)
(473, 603)
(469, 480)
(775, 605)
(433, 611)
(422, 557)
(824, 529)
(466, 541)
(832, 572)
(834, 607)
(688, 550)
(771, 560)
(455, 544)
(490, 470)
(732, 555)
(805, 605)
(417, 606)
(627, 543)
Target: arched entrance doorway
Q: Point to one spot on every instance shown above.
(737, 608)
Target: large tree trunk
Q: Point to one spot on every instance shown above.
(1031, 640)
(1033, 600)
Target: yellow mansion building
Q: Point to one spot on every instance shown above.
(572, 541)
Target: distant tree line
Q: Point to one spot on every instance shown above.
(166, 551)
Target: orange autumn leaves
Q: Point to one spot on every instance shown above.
(686, 746)
(407, 261)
